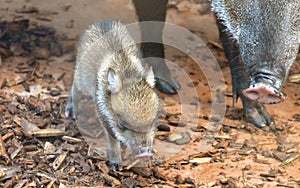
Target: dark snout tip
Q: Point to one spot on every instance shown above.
(264, 93)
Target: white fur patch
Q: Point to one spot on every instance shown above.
(113, 81)
(150, 77)
(137, 63)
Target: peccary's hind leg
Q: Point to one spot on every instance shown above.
(155, 10)
(255, 112)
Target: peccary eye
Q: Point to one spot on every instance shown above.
(122, 123)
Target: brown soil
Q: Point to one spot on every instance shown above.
(35, 79)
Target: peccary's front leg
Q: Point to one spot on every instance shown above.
(70, 111)
(155, 10)
(113, 152)
(69, 107)
(255, 112)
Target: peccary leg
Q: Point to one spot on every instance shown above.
(255, 112)
(69, 107)
(114, 151)
(155, 10)
(70, 112)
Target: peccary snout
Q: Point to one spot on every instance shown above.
(264, 93)
(144, 152)
(265, 88)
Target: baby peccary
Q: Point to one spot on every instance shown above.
(108, 67)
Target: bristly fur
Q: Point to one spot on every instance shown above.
(110, 41)
(267, 33)
(128, 112)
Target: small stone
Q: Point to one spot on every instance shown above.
(181, 125)
(279, 127)
(143, 171)
(281, 156)
(163, 127)
(226, 129)
(295, 78)
(266, 154)
(54, 92)
(281, 148)
(162, 137)
(189, 180)
(224, 181)
(179, 179)
(261, 159)
(186, 138)
(48, 78)
(174, 136)
(12, 108)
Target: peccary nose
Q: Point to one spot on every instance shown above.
(144, 152)
(263, 90)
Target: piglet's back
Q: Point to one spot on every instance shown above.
(99, 49)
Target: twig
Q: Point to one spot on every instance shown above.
(132, 164)
(3, 152)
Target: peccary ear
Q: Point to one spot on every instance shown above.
(150, 77)
(113, 81)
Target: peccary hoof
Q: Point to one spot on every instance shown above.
(114, 166)
(165, 87)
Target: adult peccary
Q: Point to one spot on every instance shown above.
(109, 69)
(261, 41)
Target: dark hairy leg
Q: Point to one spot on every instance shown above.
(255, 112)
(155, 10)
